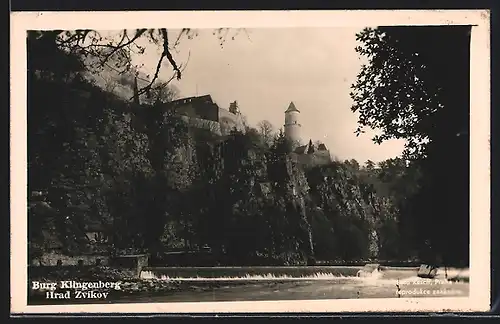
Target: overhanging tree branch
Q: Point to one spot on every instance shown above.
(92, 43)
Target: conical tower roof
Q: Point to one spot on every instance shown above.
(291, 108)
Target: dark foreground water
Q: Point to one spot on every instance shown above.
(299, 290)
(387, 284)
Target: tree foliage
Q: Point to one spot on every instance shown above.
(395, 91)
(266, 131)
(415, 87)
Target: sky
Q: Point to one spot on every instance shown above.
(265, 69)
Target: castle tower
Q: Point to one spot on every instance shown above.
(233, 108)
(292, 125)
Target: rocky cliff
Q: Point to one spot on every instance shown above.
(297, 213)
(153, 183)
(351, 208)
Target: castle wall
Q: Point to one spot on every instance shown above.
(198, 109)
(314, 159)
(228, 121)
(292, 126)
(212, 126)
(201, 112)
(292, 118)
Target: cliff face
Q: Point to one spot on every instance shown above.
(158, 184)
(290, 188)
(352, 209)
(327, 205)
(277, 209)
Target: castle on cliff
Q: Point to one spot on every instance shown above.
(310, 154)
(203, 113)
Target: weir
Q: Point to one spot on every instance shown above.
(259, 273)
(369, 273)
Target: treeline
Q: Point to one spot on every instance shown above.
(154, 184)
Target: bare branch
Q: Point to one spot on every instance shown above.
(166, 52)
(149, 86)
(121, 44)
(177, 41)
(106, 49)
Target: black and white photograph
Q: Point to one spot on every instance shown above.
(286, 160)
